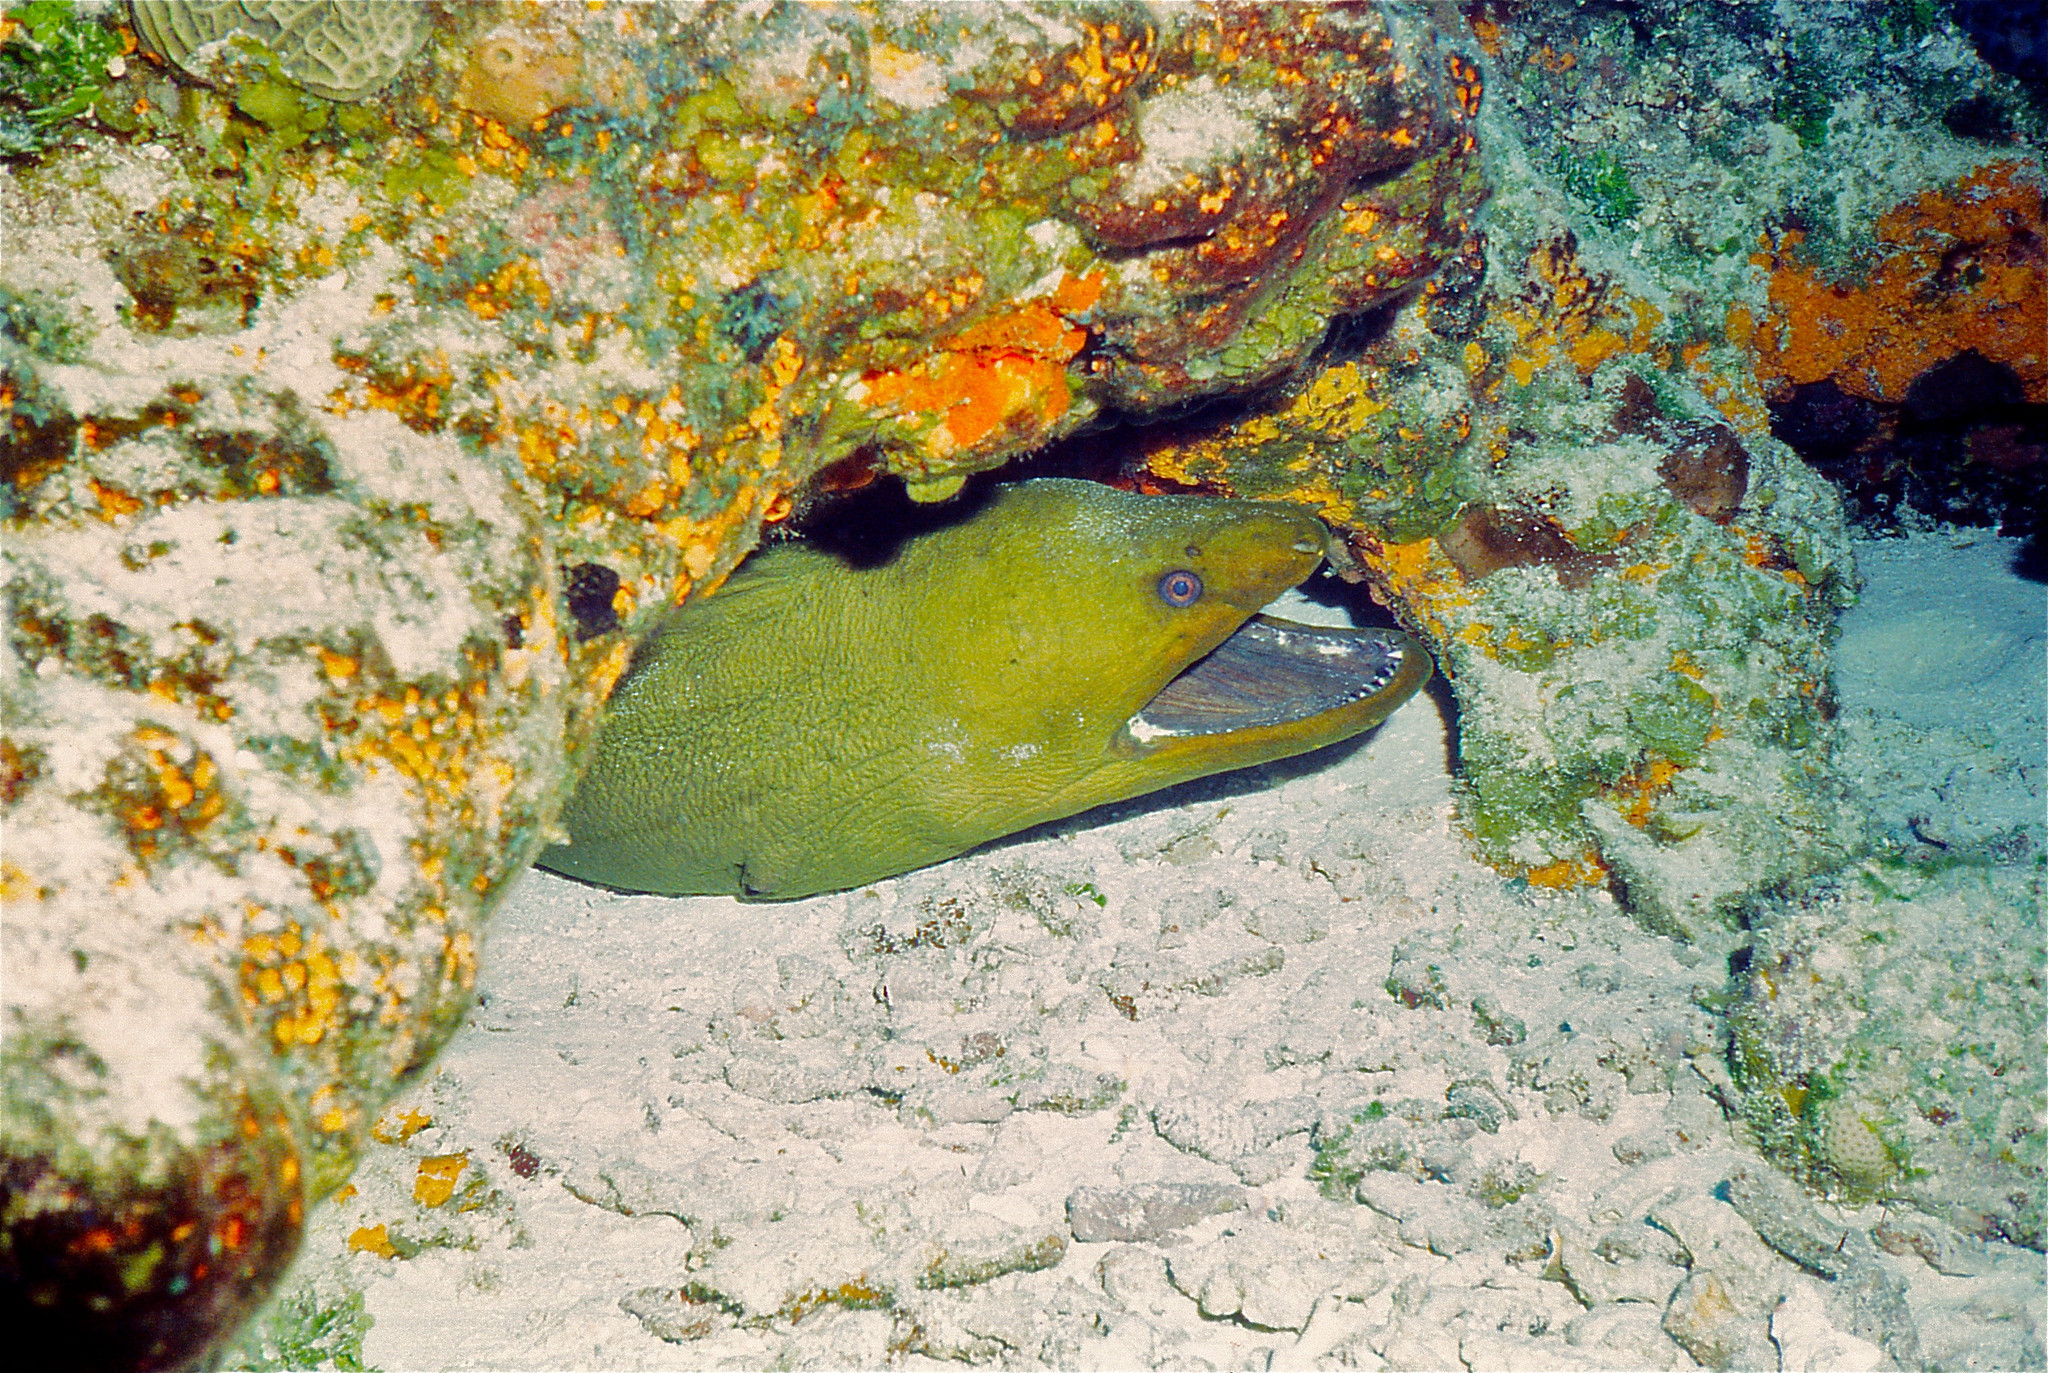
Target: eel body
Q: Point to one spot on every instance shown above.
(816, 724)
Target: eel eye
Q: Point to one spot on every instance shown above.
(1180, 587)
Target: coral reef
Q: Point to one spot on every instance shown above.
(1561, 468)
(373, 380)
(374, 376)
(1569, 465)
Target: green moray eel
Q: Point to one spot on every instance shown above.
(818, 724)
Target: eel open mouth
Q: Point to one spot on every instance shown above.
(1275, 672)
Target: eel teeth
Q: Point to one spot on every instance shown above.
(1274, 672)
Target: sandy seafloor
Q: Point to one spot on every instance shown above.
(1056, 1102)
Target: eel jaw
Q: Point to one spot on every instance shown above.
(1271, 674)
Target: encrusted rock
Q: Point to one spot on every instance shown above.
(1884, 1044)
(1637, 640)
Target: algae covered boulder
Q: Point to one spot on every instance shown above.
(1555, 468)
(1632, 600)
(1575, 464)
(1887, 1044)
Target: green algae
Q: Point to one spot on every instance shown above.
(1601, 183)
(42, 328)
(1502, 807)
(1806, 99)
(946, 1269)
(290, 114)
(433, 175)
(1347, 1153)
(1504, 1184)
(1674, 718)
(51, 74)
(307, 1329)
(1905, 22)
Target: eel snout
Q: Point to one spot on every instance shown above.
(1273, 673)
